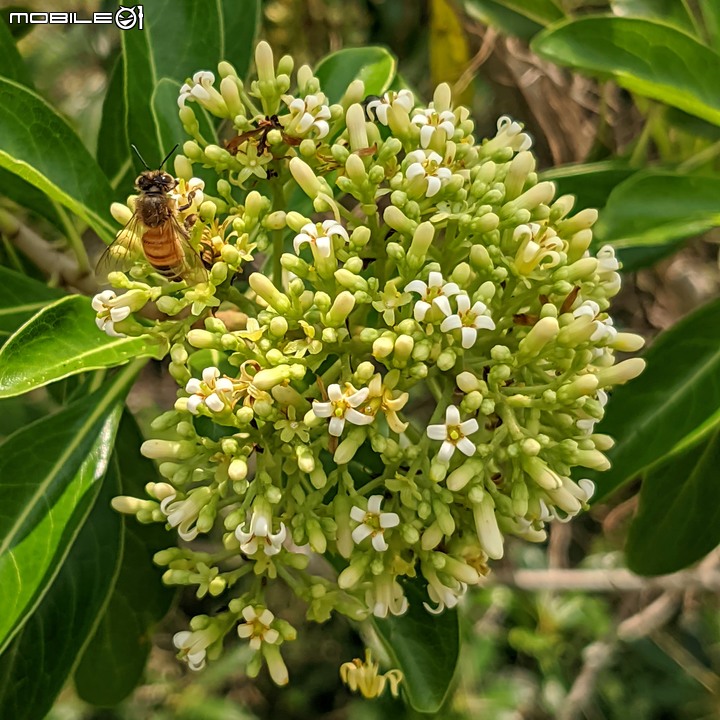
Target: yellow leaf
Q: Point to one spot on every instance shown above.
(449, 51)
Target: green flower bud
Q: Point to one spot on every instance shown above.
(265, 289)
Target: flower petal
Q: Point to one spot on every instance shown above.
(452, 415)
(360, 533)
(437, 432)
(466, 447)
(446, 451)
(336, 426)
(379, 543)
(469, 337)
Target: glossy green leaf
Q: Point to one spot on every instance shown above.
(36, 665)
(645, 57)
(61, 340)
(425, 647)
(590, 183)
(241, 24)
(20, 298)
(678, 518)
(154, 53)
(710, 11)
(38, 146)
(51, 471)
(678, 392)
(114, 660)
(673, 12)
(375, 66)
(655, 207)
(496, 15)
(12, 66)
(113, 146)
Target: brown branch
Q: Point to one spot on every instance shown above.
(54, 263)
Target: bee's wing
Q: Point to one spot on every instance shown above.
(123, 252)
(192, 269)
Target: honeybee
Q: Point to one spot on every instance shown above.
(155, 232)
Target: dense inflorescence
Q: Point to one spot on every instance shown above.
(394, 375)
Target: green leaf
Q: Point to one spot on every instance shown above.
(12, 66)
(678, 392)
(678, 518)
(38, 146)
(61, 340)
(114, 660)
(113, 147)
(590, 183)
(496, 15)
(52, 471)
(656, 207)
(241, 25)
(671, 12)
(154, 53)
(38, 662)
(425, 647)
(375, 66)
(645, 57)
(710, 10)
(20, 298)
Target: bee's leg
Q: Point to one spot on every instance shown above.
(189, 221)
(190, 197)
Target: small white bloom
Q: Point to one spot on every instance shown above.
(307, 113)
(434, 292)
(604, 330)
(257, 627)
(260, 534)
(112, 309)
(386, 597)
(444, 596)
(193, 647)
(318, 235)
(183, 514)
(379, 108)
(189, 191)
(537, 244)
(341, 407)
(214, 392)
(373, 523)
(427, 164)
(200, 88)
(589, 308)
(510, 134)
(607, 262)
(429, 120)
(469, 320)
(453, 433)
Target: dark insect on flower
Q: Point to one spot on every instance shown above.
(260, 133)
(155, 232)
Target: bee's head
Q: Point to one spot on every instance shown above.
(155, 182)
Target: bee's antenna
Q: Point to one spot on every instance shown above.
(168, 155)
(142, 160)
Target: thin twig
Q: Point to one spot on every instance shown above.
(476, 62)
(606, 581)
(52, 262)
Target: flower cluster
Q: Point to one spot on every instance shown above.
(400, 372)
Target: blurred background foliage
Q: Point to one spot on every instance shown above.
(561, 631)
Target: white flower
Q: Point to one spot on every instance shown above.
(379, 108)
(257, 627)
(112, 309)
(214, 392)
(193, 646)
(444, 596)
(537, 244)
(200, 88)
(453, 434)
(510, 134)
(430, 121)
(318, 236)
(260, 533)
(183, 514)
(604, 330)
(341, 407)
(427, 164)
(386, 597)
(434, 292)
(607, 262)
(373, 523)
(469, 320)
(589, 308)
(307, 113)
